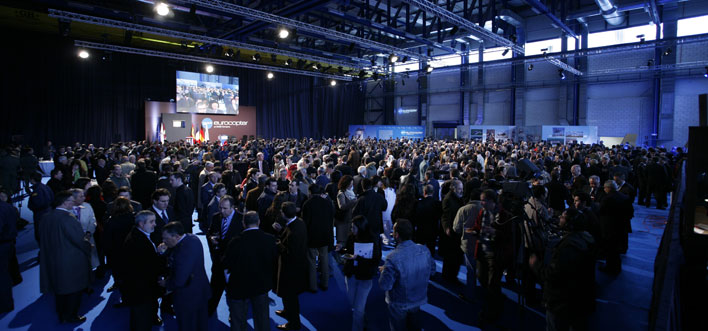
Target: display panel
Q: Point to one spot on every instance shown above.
(207, 94)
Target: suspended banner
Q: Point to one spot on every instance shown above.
(387, 131)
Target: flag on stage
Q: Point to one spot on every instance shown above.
(163, 133)
(201, 134)
(192, 134)
(157, 129)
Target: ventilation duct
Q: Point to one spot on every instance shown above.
(609, 12)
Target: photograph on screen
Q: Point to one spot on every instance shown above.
(206, 94)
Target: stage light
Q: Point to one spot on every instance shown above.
(256, 57)
(561, 74)
(270, 75)
(705, 74)
(428, 68)
(84, 54)
(667, 52)
(315, 66)
(230, 53)
(283, 33)
(289, 62)
(162, 9)
(209, 68)
(530, 67)
(333, 82)
(506, 51)
(393, 58)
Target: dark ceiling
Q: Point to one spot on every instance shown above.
(353, 35)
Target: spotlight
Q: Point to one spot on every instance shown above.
(84, 54)
(283, 33)
(544, 50)
(393, 58)
(270, 75)
(506, 51)
(256, 57)
(405, 58)
(162, 9)
(667, 52)
(641, 38)
(705, 74)
(289, 62)
(209, 68)
(315, 66)
(530, 67)
(333, 82)
(561, 73)
(428, 68)
(229, 53)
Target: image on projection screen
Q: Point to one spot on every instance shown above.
(206, 94)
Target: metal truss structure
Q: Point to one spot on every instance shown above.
(175, 56)
(457, 20)
(204, 39)
(301, 26)
(564, 66)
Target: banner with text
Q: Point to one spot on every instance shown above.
(386, 131)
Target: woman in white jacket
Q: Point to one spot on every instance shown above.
(86, 217)
(390, 195)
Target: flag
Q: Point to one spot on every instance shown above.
(201, 134)
(206, 134)
(192, 134)
(163, 133)
(158, 129)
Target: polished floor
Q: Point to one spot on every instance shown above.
(622, 303)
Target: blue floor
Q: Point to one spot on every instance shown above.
(622, 304)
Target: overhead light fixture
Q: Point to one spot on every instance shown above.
(270, 75)
(84, 54)
(428, 68)
(315, 66)
(667, 52)
(505, 52)
(283, 33)
(393, 58)
(561, 73)
(289, 62)
(404, 59)
(162, 9)
(705, 74)
(229, 53)
(256, 57)
(209, 68)
(333, 82)
(530, 67)
(641, 38)
(544, 50)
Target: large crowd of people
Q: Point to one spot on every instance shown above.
(274, 211)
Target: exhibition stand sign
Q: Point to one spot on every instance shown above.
(387, 131)
(492, 133)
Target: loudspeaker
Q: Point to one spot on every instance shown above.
(703, 110)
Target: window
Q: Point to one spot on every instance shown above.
(552, 45)
(691, 26)
(622, 36)
(446, 61)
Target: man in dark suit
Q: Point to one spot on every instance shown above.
(261, 164)
(430, 180)
(613, 212)
(187, 278)
(143, 181)
(164, 213)
(206, 194)
(213, 206)
(449, 239)
(65, 267)
(223, 226)
(184, 201)
(371, 205)
(249, 262)
(56, 182)
(164, 182)
(596, 191)
(140, 289)
(292, 266)
(124, 192)
(427, 219)
(40, 201)
(266, 198)
(318, 215)
(628, 190)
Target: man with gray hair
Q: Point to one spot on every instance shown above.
(140, 289)
(361, 174)
(613, 214)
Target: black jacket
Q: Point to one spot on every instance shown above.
(364, 268)
(143, 183)
(156, 235)
(427, 218)
(140, 279)
(250, 259)
(371, 205)
(569, 277)
(318, 215)
(292, 262)
(184, 207)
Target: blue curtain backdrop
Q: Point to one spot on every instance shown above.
(49, 93)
